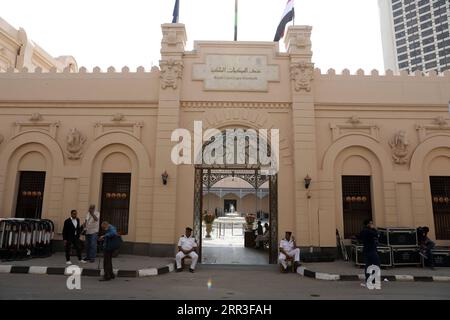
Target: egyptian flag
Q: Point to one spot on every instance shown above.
(176, 12)
(288, 15)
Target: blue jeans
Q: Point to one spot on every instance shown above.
(91, 246)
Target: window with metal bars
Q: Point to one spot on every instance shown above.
(30, 194)
(115, 197)
(440, 197)
(357, 203)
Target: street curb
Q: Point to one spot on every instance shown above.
(336, 277)
(39, 270)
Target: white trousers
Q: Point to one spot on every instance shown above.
(180, 255)
(293, 253)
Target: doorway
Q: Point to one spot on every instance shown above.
(230, 205)
(30, 194)
(231, 195)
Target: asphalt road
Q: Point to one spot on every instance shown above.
(231, 283)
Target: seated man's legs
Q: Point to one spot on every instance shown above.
(282, 260)
(296, 254)
(194, 257)
(429, 246)
(180, 255)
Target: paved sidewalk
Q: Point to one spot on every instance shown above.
(124, 266)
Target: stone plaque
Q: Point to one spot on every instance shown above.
(236, 73)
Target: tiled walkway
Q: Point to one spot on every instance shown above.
(229, 249)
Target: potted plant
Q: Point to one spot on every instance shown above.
(250, 219)
(208, 218)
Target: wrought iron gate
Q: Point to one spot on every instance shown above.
(440, 196)
(30, 194)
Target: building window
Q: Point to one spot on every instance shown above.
(357, 203)
(440, 195)
(116, 200)
(431, 65)
(30, 194)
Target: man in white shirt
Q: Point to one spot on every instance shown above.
(91, 227)
(288, 248)
(187, 246)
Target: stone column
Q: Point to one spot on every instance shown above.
(164, 196)
(298, 45)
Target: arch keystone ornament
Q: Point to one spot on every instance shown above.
(171, 72)
(75, 141)
(302, 75)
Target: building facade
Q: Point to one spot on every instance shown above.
(18, 52)
(415, 34)
(373, 145)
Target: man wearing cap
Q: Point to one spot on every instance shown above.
(187, 246)
(288, 248)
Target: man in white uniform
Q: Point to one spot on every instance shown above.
(288, 248)
(187, 246)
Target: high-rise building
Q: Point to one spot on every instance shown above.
(415, 34)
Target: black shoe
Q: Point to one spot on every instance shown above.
(179, 270)
(191, 270)
(105, 279)
(284, 270)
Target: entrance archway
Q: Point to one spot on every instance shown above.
(207, 175)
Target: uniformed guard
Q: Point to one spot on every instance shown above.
(187, 246)
(288, 248)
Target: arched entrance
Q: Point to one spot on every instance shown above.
(208, 175)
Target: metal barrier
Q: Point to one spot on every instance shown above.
(25, 238)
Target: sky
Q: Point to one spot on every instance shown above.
(104, 33)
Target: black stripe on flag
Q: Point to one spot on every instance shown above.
(282, 26)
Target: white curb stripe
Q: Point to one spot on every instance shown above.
(301, 270)
(147, 272)
(361, 277)
(404, 278)
(5, 268)
(441, 278)
(37, 270)
(327, 276)
(171, 267)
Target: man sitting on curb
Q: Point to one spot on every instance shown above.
(288, 249)
(187, 246)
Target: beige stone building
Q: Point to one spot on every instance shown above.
(374, 145)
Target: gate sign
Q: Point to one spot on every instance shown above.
(236, 73)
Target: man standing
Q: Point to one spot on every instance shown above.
(288, 249)
(71, 236)
(110, 246)
(369, 238)
(187, 246)
(426, 246)
(91, 226)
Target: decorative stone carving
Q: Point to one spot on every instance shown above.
(171, 71)
(75, 141)
(439, 126)
(118, 117)
(399, 145)
(440, 121)
(36, 117)
(302, 41)
(302, 75)
(354, 120)
(356, 126)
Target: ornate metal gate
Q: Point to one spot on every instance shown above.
(30, 194)
(208, 177)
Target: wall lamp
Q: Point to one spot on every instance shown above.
(164, 177)
(307, 181)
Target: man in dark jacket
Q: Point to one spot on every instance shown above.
(369, 238)
(71, 235)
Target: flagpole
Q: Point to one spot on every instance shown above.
(235, 19)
